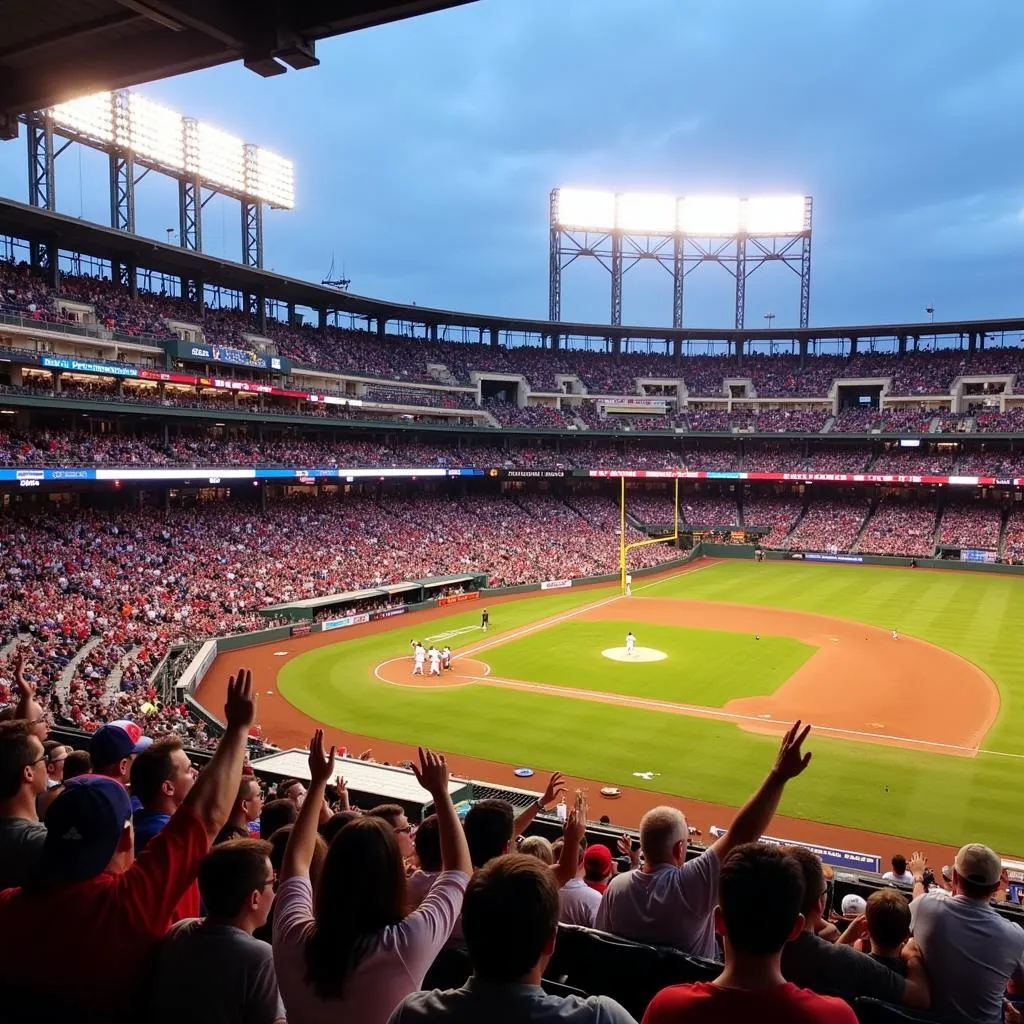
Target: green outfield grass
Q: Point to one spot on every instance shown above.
(704, 666)
(919, 795)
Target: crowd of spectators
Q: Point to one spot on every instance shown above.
(544, 417)
(778, 515)
(1010, 421)
(1013, 539)
(900, 528)
(913, 462)
(828, 525)
(856, 420)
(708, 510)
(975, 525)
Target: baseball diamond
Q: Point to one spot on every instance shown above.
(749, 649)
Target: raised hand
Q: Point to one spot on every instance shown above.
(917, 863)
(240, 703)
(321, 765)
(432, 773)
(555, 789)
(791, 760)
(624, 844)
(576, 822)
(25, 688)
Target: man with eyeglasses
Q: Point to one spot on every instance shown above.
(22, 780)
(218, 954)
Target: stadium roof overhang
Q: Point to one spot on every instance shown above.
(54, 51)
(74, 235)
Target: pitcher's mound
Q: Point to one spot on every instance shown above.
(639, 654)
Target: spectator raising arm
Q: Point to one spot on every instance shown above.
(302, 842)
(555, 789)
(214, 792)
(756, 814)
(432, 775)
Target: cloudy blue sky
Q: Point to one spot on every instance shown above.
(425, 150)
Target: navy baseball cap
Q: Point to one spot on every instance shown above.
(115, 741)
(83, 827)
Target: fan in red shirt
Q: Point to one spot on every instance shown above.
(760, 893)
(118, 906)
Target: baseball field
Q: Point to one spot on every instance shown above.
(917, 738)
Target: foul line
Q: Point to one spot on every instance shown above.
(698, 710)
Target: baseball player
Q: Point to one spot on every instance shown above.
(895, 635)
(446, 658)
(419, 657)
(435, 661)
(630, 644)
(629, 585)
(485, 619)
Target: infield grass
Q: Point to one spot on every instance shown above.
(708, 667)
(935, 797)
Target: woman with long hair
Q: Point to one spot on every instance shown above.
(358, 952)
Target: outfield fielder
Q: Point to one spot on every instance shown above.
(629, 585)
(630, 644)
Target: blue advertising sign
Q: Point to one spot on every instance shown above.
(851, 860)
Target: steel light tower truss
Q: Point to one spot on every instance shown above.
(140, 136)
(620, 230)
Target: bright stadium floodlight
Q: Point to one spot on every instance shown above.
(586, 209)
(154, 132)
(774, 215)
(646, 213)
(92, 116)
(274, 179)
(221, 158)
(709, 216)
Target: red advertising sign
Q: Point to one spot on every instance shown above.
(471, 595)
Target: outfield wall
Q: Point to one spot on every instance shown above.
(852, 558)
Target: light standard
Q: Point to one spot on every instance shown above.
(930, 310)
(769, 317)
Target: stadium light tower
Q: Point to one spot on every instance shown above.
(140, 135)
(619, 229)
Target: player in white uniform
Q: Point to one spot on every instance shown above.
(629, 585)
(419, 657)
(435, 661)
(446, 657)
(895, 635)
(630, 643)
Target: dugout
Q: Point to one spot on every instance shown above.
(350, 601)
(368, 783)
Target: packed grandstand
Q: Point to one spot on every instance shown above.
(175, 471)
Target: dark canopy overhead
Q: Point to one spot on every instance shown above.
(53, 51)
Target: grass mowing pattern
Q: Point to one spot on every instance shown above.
(930, 796)
(708, 667)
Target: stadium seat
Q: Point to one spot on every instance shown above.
(875, 1011)
(450, 969)
(629, 972)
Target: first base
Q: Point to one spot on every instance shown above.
(639, 654)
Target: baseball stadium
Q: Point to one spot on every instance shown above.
(636, 561)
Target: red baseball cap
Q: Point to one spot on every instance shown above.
(597, 861)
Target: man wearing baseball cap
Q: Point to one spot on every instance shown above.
(117, 906)
(597, 866)
(113, 748)
(969, 951)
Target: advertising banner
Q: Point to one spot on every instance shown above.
(851, 860)
(471, 595)
(302, 628)
(818, 556)
(88, 366)
(192, 350)
(555, 584)
(342, 623)
(388, 613)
